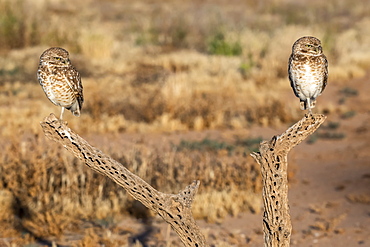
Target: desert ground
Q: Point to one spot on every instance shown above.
(180, 91)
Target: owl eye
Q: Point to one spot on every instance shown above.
(57, 58)
(308, 46)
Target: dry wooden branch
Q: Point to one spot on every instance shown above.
(272, 157)
(175, 209)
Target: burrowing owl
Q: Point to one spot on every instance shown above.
(308, 71)
(60, 80)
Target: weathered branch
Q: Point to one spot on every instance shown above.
(272, 157)
(175, 209)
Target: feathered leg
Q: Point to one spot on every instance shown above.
(61, 114)
(308, 105)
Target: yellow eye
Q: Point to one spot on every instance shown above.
(57, 58)
(308, 46)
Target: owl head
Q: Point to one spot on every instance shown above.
(307, 46)
(55, 56)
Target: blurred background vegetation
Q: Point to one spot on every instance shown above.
(156, 67)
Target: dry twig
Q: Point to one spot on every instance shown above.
(175, 209)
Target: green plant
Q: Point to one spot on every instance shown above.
(150, 36)
(331, 135)
(218, 45)
(205, 144)
(252, 144)
(325, 135)
(312, 138)
(246, 67)
(348, 114)
(11, 27)
(17, 29)
(332, 125)
(349, 92)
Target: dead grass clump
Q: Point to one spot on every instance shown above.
(103, 237)
(11, 237)
(47, 224)
(183, 30)
(141, 104)
(214, 206)
(50, 192)
(18, 29)
(359, 198)
(25, 24)
(170, 94)
(7, 203)
(229, 183)
(96, 45)
(328, 225)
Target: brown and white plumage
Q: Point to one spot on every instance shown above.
(308, 71)
(60, 81)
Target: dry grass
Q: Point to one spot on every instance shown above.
(155, 66)
(49, 192)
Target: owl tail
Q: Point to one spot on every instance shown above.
(75, 109)
(76, 113)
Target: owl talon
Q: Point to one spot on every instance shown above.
(313, 103)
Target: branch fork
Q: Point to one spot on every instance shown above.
(175, 209)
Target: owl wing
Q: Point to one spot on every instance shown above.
(291, 74)
(42, 75)
(73, 79)
(324, 61)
